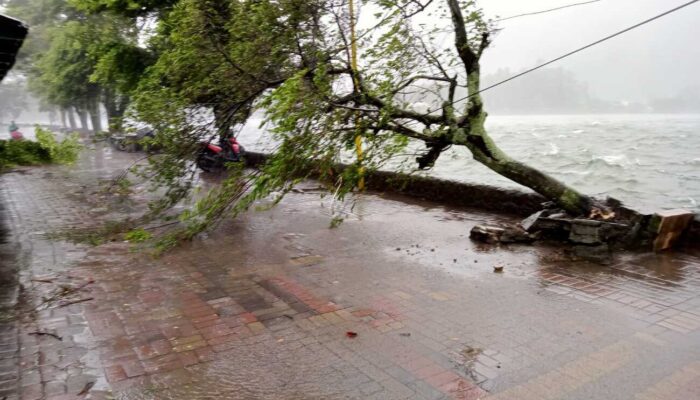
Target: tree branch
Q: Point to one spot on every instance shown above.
(466, 54)
(412, 79)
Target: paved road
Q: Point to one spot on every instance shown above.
(260, 309)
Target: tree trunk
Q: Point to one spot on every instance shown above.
(489, 154)
(63, 118)
(95, 117)
(222, 120)
(83, 117)
(469, 130)
(115, 106)
(71, 119)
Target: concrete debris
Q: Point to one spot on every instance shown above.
(498, 234)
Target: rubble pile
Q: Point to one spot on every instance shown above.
(593, 238)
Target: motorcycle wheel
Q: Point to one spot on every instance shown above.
(122, 145)
(205, 161)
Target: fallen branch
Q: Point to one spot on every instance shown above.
(86, 388)
(42, 280)
(65, 291)
(68, 303)
(40, 333)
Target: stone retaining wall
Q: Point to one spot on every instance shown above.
(443, 191)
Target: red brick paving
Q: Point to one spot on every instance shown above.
(195, 322)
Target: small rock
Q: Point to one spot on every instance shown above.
(497, 268)
(548, 204)
(558, 215)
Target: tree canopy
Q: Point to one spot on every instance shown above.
(293, 61)
(75, 60)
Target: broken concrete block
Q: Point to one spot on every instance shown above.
(670, 227)
(486, 234)
(614, 231)
(529, 222)
(585, 231)
(497, 234)
(540, 221)
(516, 234)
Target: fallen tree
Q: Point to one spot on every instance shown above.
(328, 91)
(377, 106)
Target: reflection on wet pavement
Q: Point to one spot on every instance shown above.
(261, 307)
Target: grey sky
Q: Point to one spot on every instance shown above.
(658, 59)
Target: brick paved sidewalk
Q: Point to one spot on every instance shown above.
(260, 309)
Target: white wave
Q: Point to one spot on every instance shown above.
(553, 150)
(618, 160)
(575, 172)
(578, 131)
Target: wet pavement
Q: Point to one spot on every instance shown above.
(261, 308)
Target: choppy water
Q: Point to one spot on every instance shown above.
(647, 161)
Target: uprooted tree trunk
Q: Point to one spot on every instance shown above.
(486, 152)
(468, 128)
(482, 146)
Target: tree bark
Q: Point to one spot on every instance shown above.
(222, 119)
(83, 117)
(470, 132)
(115, 106)
(71, 119)
(95, 117)
(485, 151)
(63, 118)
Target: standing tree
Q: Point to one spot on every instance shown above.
(13, 100)
(76, 61)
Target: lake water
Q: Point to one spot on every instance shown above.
(648, 161)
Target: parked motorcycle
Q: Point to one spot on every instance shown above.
(213, 157)
(132, 141)
(16, 135)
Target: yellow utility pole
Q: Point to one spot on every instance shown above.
(353, 65)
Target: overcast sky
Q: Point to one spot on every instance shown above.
(657, 59)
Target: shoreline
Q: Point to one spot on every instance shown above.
(501, 201)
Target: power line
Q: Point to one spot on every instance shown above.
(546, 11)
(575, 51)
